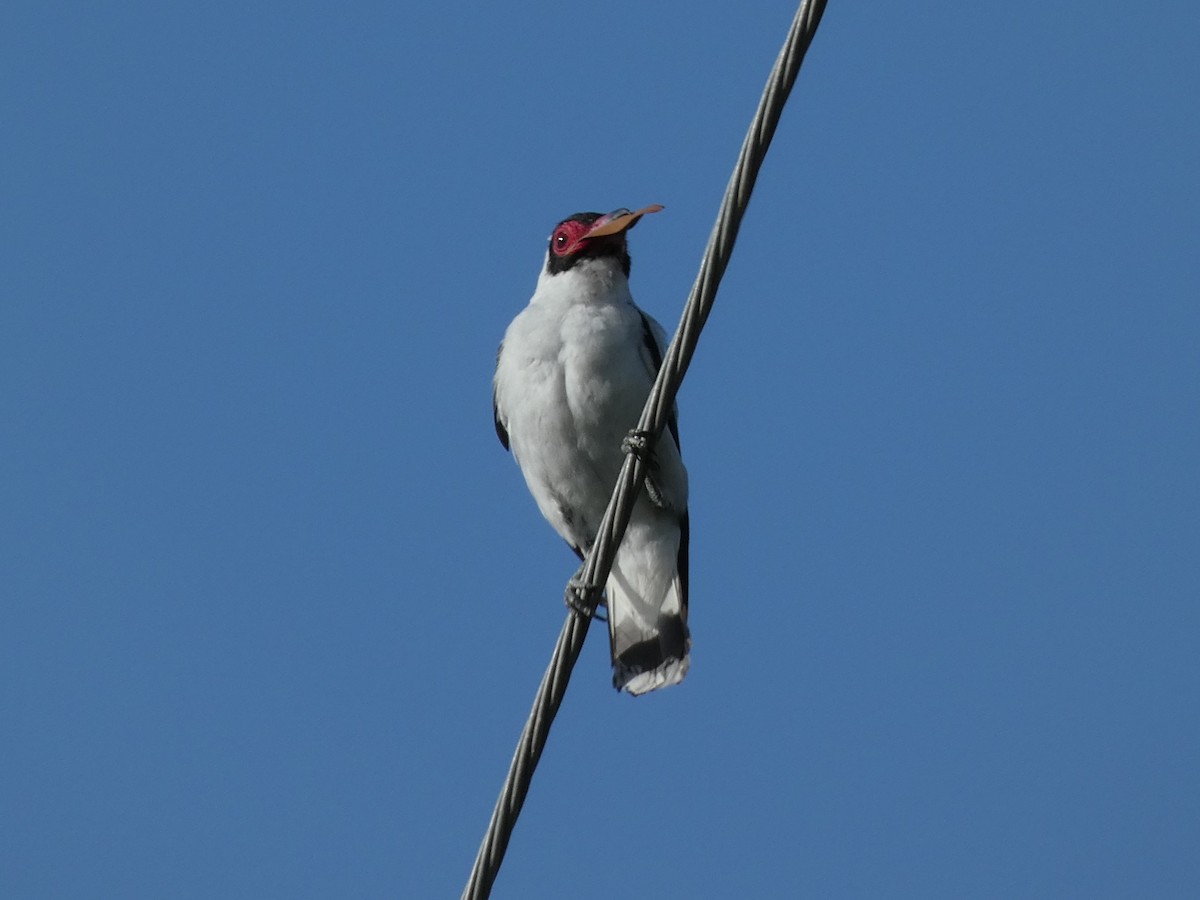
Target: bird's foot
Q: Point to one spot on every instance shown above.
(635, 443)
(576, 596)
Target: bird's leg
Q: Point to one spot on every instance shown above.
(576, 598)
(655, 493)
(635, 444)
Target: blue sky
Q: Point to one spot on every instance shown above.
(275, 602)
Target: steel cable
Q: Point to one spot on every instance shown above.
(654, 416)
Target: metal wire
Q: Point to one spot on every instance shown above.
(654, 416)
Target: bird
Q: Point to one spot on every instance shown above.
(572, 374)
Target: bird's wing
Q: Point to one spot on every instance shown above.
(654, 345)
(501, 431)
(667, 481)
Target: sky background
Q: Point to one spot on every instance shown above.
(274, 602)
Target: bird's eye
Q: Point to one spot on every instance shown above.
(565, 239)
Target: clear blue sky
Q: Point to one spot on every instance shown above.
(274, 602)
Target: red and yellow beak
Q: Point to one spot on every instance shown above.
(619, 220)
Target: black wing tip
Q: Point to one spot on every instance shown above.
(501, 431)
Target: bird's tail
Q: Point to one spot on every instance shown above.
(647, 610)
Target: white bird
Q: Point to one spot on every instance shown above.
(572, 375)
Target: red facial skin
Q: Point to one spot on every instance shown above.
(569, 238)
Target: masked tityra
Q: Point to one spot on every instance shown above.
(572, 376)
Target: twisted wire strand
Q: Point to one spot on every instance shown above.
(654, 416)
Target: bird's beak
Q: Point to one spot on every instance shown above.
(619, 220)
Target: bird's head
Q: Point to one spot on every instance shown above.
(591, 235)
